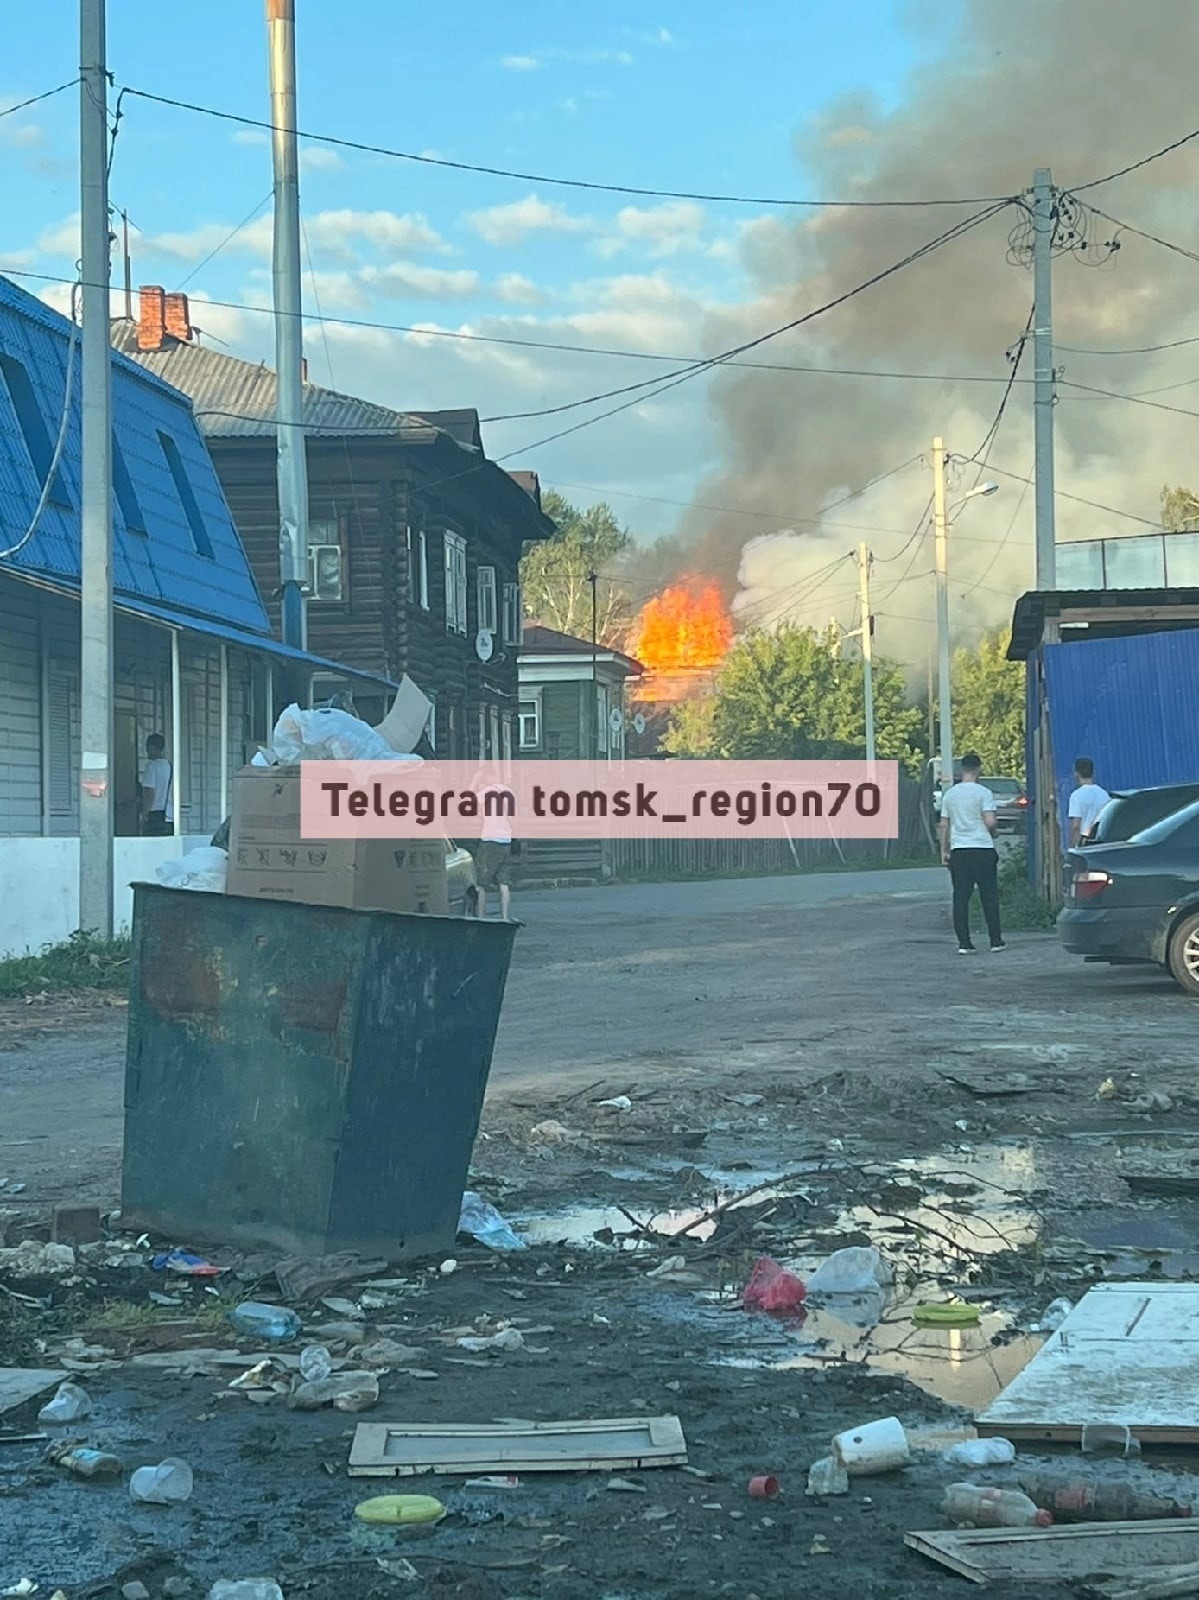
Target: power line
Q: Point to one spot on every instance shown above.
(1134, 399)
(1128, 350)
(1153, 238)
(1135, 166)
(564, 183)
(228, 239)
(1095, 505)
(46, 94)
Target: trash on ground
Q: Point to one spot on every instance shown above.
(400, 1509)
(618, 1102)
(625, 1486)
(1134, 1340)
(946, 1314)
(1074, 1498)
(186, 1263)
(344, 1308)
(388, 1353)
(1054, 1314)
(344, 1391)
(987, 1082)
(971, 1505)
(981, 1453)
(827, 1477)
(76, 1457)
(506, 1339)
(245, 1589)
(483, 1222)
(70, 1404)
(1007, 1556)
(258, 1321)
(19, 1385)
(880, 1446)
(33, 1260)
(763, 1487)
(304, 1278)
(315, 1363)
(22, 1587)
(1158, 1583)
(1109, 1439)
(168, 1484)
(551, 1132)
(327, 734)
(466, 1448)
(494, 1480)
(773, 1289)
(856, 1270)
(261, 1376)
(203, 869)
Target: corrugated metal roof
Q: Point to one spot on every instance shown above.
(236, 399)
(161, 563)
(1040, 605)
(1129, 704)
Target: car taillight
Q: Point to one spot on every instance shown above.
(1023, 800)
(1087, 885)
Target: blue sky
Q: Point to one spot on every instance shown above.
(781, 97)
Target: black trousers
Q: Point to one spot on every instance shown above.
(970, 869)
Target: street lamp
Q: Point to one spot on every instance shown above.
(941, 523)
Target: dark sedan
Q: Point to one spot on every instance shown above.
(1011, 803)
(1130, 811)
(1138, 900)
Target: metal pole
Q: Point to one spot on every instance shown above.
(128, 263)
(867, 645)
(941, 530)
(593, 580)
(1045, 399)
(224, 731)
(95, 599)
(176, 737)
(292, 472)
(932, 711)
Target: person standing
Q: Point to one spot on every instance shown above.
(967, 832)
(493, 860)
(1087, 801)
(155, 792)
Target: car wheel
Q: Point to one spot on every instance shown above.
(1184, 955)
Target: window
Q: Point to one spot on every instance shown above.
(326, 572)
(122, 485)
(422, 570)
(485, 589)
(482, 734)
(512, 619)
(601, 718)
(495, 732)
(506, 751)
(186, 495)
(530, 724)
(455, 583)
(62, 735)
(33, 427)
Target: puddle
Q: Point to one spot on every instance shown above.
(580, 1225)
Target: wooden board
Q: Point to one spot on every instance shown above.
(1127, 1354)
(1092, 1549)
(404, 1450)
(18, 1385)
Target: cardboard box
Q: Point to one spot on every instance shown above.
(268, 859)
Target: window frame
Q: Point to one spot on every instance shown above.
(336, 525)
(177, 468)
(511, 615)
(486, 590)
(454, 550)
(39, 446)
(528, 708)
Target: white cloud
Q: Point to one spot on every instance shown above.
(533, 62)
(254, 239)
(386, 230)
(62, 239)
(14, 260)
(517, 290)
(257, 136)
(403, 279)
(514, 221)
(520, 63)
(660, 230)
(319, 158)
(334, 236)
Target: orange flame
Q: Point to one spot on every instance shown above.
(684, 626)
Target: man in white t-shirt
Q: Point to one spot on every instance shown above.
(493, 858)
(1087, 801)
(967, 830)
(155, 792)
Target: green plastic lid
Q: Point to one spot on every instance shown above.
(400, 1509)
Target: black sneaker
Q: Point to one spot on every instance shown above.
(966, 950)
(1000, 946)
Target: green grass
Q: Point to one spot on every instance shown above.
(82, 962)
(1021, 909)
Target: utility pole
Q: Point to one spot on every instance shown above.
(941, 531)
(292, 467)
(95, 594)
(867, 645)
(932, 710)
(593, 580)
(128, 263)
(1043, 220)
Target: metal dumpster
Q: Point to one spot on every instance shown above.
(302, 1078)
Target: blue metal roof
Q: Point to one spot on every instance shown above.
(161, 564)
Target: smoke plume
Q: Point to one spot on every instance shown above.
(1080, 86)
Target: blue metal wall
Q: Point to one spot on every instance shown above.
(1130, 704)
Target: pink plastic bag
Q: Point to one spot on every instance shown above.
(773, 1289)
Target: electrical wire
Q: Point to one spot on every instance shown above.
(1095, 505)
(46, 94)
(1153, 238)
(228, 239)
(1128, 350)
(1135, 166)
(987, 570)
(59, 443)
(1133, 399)
(566, 183)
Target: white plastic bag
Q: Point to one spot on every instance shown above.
(329, 735)
(202, 869)
(856, 1270)
(981, 1453)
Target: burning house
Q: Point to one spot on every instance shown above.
(681, 636)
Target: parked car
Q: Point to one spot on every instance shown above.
(1138, 900)
(1011, 803)
(1130, 811)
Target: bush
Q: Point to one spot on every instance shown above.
(1021, 909)
(84, 961)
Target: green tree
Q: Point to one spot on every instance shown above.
(784, 694)
(1180, 509)
(988, 705)
(555, 574)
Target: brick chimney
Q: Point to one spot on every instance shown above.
(151, 317)
(177, 318)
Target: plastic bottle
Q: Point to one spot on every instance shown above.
(969, 1505)
(316, 1363)
(70, 1404)
(1099, 1500)
(260, 1321)
(167, 1484)
(87, 1463)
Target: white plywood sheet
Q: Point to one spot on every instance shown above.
(403, 1450)
(18, 1385)
(1063, 1555)
(1127, 1354)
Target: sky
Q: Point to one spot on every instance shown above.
(774, 99)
